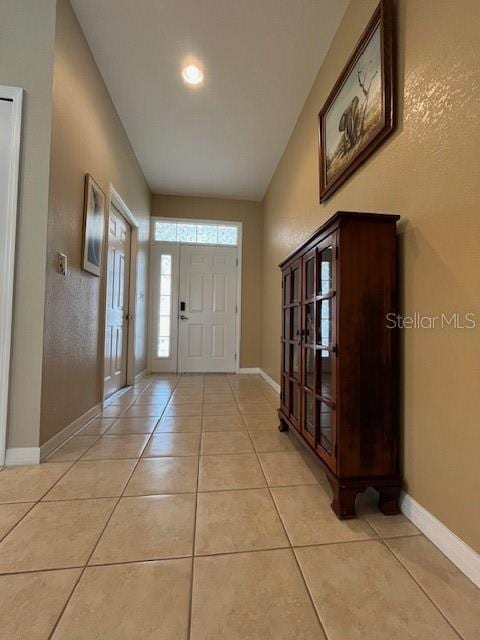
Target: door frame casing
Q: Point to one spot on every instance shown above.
(7, 267)
(115, 200)
(239, 246)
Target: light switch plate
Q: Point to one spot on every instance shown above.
(62, 264)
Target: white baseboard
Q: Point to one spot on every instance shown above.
(141, 375)
(270, 380)
(22, 455)
(249, 370)
(60, 437)
(463, 556)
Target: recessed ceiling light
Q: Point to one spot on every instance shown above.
(192, 74)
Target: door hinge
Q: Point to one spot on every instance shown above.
(236, 308)
(235, 356)
(236, 262)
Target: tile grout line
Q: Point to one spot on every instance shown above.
(310, 595)
(424, 591)
(304, 581)
(40, 499)
(36, 502)
(116, 419)
(98, 416)
(190, 612)
(200, 555)
(97, 437)
(292, 551)
(167, 493)
(156, 433)
(9, 531)
(82, 572)
(83, 569)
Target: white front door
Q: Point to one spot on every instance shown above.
(207, 323)
(116, 329)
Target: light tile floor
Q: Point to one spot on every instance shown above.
(181, 512)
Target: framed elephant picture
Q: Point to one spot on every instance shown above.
(359, 112)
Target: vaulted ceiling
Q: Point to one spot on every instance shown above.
(260, 58)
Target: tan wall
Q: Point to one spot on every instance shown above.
(87, 137)
(429, 172)
(26, 60)
(250, 213)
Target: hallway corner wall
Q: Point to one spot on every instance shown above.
(87, 137)
(26, 61)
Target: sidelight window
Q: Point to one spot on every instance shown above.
(164, 307)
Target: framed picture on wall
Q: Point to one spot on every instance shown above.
(93, 226)
(359, 112)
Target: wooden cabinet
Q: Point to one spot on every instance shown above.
(339, 381)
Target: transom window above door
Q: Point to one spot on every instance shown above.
(195, 233)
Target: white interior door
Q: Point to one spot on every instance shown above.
(10, 123)
(207, 324)
(116, 330)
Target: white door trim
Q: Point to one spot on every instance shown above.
(114, 199)
(7, 268)
(238, 321)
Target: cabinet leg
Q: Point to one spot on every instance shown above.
(388, 500)
(283, 426)
(343, 503)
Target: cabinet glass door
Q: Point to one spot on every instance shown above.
(324, 321)
(309, 363)
(309, 416)
(291, 337)
(325, 426)
(324, 373)
(308, 347)
(295, 283)
(326, 348)
(325, 269)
